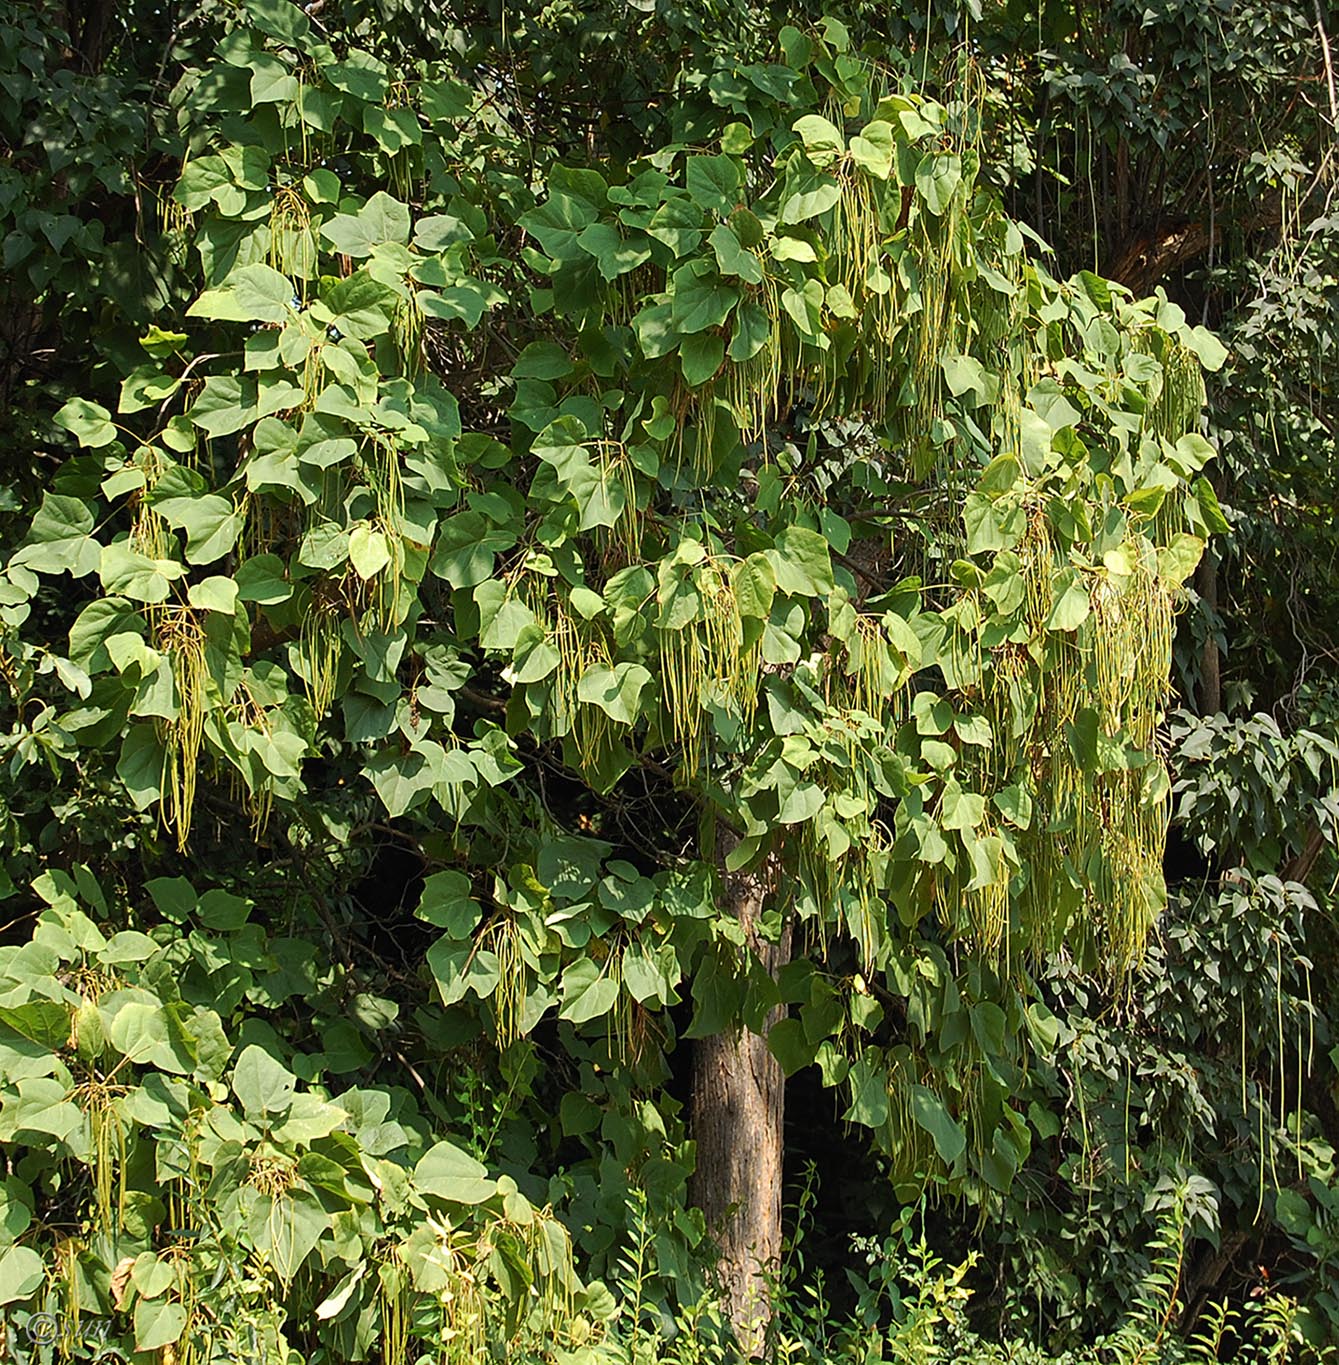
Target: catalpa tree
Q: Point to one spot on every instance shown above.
(738, 568)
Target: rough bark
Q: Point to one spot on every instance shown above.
(1300, 867)
(1161, 250)
(89, 26)
(736, 1112)
(1203, 1282)
(1154, 255)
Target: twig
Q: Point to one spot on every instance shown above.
(1329, 64)
(482, 700)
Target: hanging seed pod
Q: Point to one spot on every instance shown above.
(292, 249)
(181, 637)
(321, 646)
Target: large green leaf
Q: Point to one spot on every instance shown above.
(126, 572)
(21, 1273)
(802, 563)
(588, 992)
(263, 1086)
(937, 178)
(930, 1113)
(453, 1175)
(700, 298)
(212, 525)
(59, 540)
(90, 422)
(382, 219)
(616, 691)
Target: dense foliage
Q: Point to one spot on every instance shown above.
(478, 489)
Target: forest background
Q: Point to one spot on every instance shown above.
(669, 681)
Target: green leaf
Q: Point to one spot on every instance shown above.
(932, 713)
(151, 1275)
(821, 137)
(127, 572)
(140, 765)
(700, 298)
(455, 1176)
(999, 476)
(929, 1112)
(1015, 804)
(42, 1106)
(146, 386)
(700, 356)
(369, 552)
(360, 75)
(868, 1080)
(1211, 352)
(219, 909)
(127, 946)
(1048, 400)
(447, 901)
(212, 525)
(960, 809)
(250, 293)
(215, 593)
(588, 993)
(392, 129)
(752, 329)
(754, 583)
(713, 183)
(263, 1087)
(786, 1041)
(382, 219)
(458, 302)
(534, 656)
(814, 193)
(557, 225)
(145, 1031)
(873, 147)
(361, 306)
(1214, 520)
(613, 254)
(59, 540)
(90, 423)
(502, 617)
(225, 405)
(439, 231)
(801, 803)
(262, 579)
(21, 1274)
(334, 1302)
(286, 1228)
(1072, 604)
(1177, 561)
(732, 258)
(805, 307)
(966, 375)
(280, 19)
(616, 691)
(982, 523)
(802, 563)
(446, 99)
(937, 178)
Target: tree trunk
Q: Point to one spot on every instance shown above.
(89, 26)
(1299, 868)
(736, 1114)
